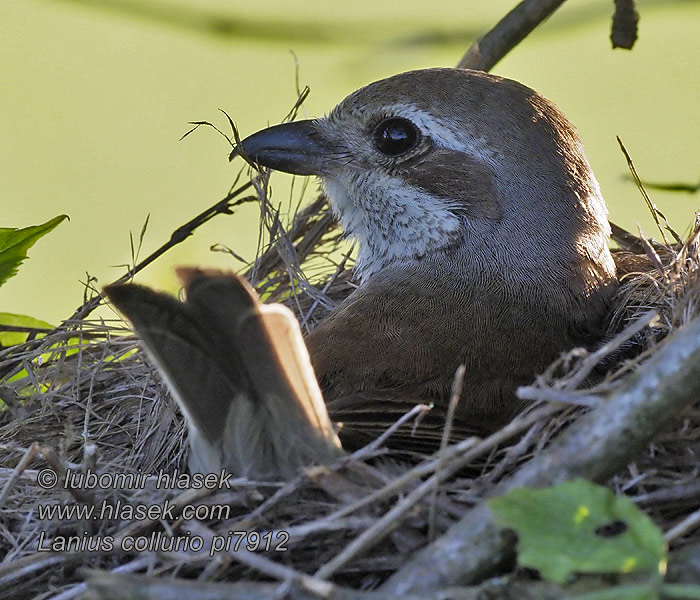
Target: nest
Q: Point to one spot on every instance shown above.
(83, 397)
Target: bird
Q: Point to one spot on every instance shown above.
(483, 242)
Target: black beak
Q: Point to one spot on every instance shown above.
(291, 147)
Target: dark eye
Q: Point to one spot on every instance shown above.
(395, 136)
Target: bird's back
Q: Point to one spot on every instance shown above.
(398, 340)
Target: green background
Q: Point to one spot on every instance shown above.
(94, 96)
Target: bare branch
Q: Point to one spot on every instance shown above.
(508, 33)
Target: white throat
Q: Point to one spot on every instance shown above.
(391, 221)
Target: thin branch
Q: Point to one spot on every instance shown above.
(692, 521)
(457, 385)
(508, 33)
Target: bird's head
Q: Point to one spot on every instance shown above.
(432, 160)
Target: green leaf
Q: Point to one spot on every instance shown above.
(14, 244)
(10, 338)
(580, 527)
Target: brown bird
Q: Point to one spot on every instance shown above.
(482, 241)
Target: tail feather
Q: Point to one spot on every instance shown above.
(239, 371)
